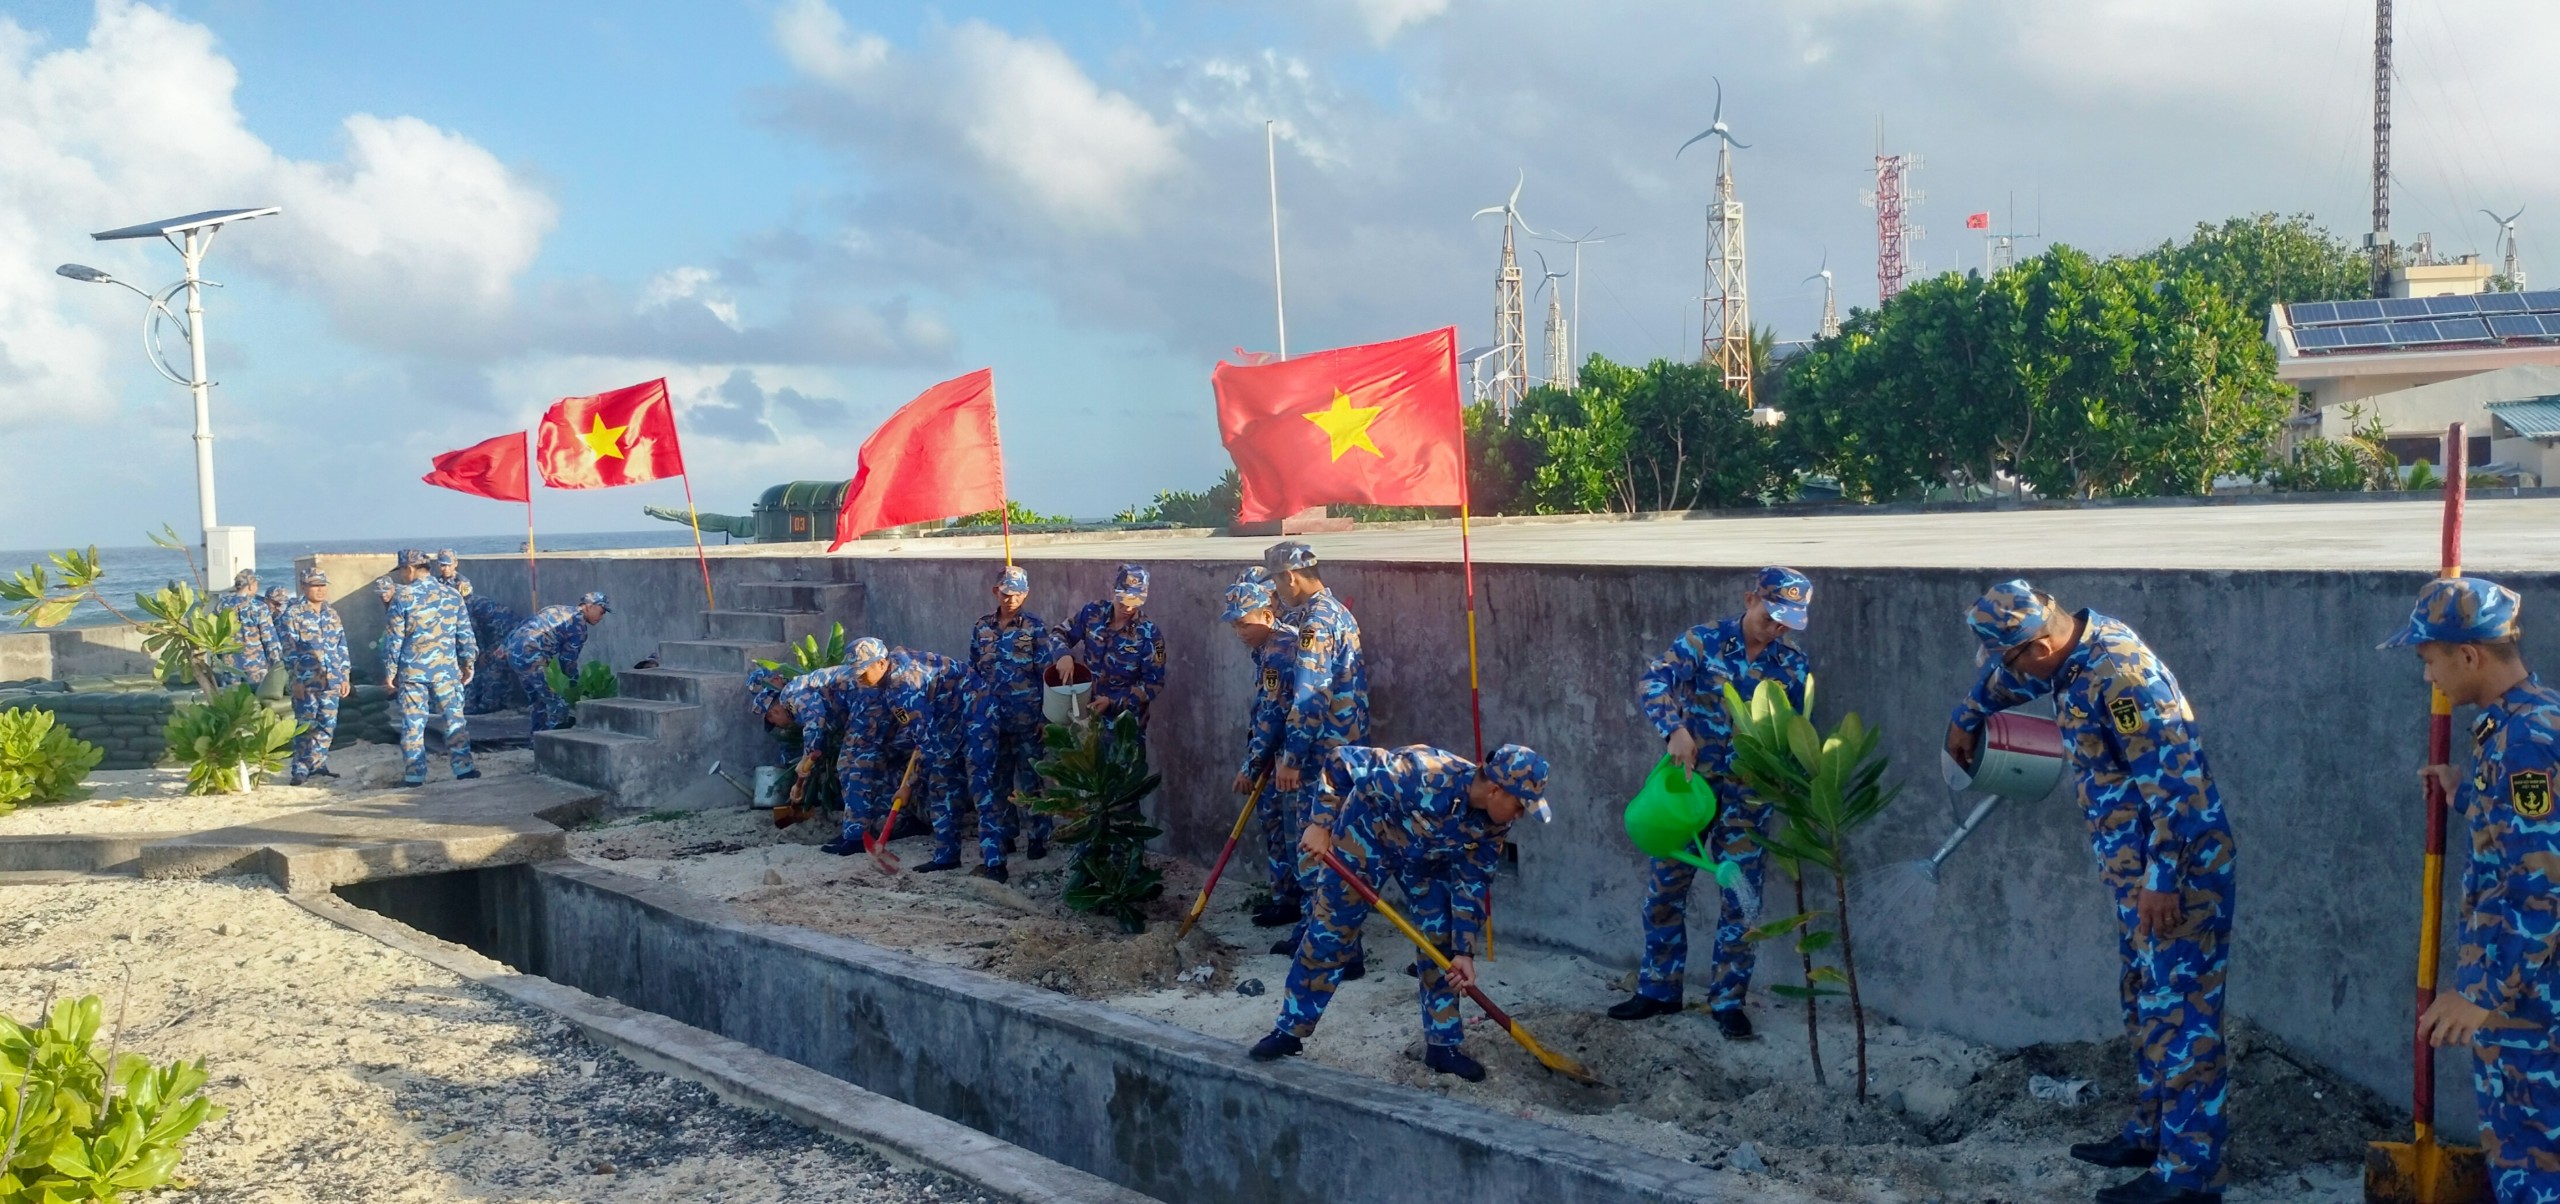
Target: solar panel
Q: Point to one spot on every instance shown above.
(2501, 303)
(2442, 306)
(2365, 336)
(2404, 307)
(2462, 330)
(2359, 311)
(2543, 301)
(2406, 333)
(2312, 313)
(2319, 338)
(2515, 326)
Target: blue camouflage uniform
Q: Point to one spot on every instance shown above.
(1685, 689)
(2155, 823)
(278, 597)
(384, 588)
(1127, 663)
(1004, 721)
(1402, 814)
(1328, 687)
(1275, 665)
(430, 640)
(553, 633)
(918, 711)
(2509, 961)
(315, 641)
(492, 622)
(765, 687)
(259, 651)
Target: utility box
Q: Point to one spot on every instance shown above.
(227, 550)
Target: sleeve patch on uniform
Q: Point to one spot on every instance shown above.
(2128, 715)
(1271, 681)
(2531, 790)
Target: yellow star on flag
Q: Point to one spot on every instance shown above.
(1347, 425)
(606, 441)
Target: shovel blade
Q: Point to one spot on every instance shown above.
(1560, 1063)
(2423, 1172)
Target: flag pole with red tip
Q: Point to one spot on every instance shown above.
(694, 521)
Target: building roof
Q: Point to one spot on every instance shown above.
(2532, 418)
(2462, 333)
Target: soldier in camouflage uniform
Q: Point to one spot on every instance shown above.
(554, 633)
(909, 704)
(1328, 691)
(385, 589)
(430, 659)
(259, 652)
(1007, 651)
(1683, 695)
(2505, 1001)
(492, 622)
(2164, 849)
(1251, 610)
(1123, 649)
(277, 599)
(315, 641)
(1433, 823)
(813, 705)
(448, 572)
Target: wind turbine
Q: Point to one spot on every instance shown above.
(2513, 268)
(1830, 315)
(1559, 341)
(1724, 330)
(1574, 357)
(1510, 321)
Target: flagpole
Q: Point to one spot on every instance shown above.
(694, 520)
(1467, 566)
(1279, 295)
(532, 552)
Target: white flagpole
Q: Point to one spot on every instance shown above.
(1279, 296)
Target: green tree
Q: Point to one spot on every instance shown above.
(1211, 507)
(2262, 259)
(1664, 436)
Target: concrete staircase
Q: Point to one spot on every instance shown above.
(652, 748)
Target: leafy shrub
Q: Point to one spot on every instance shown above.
(39, 762)
(811, 655)
(228, 732)
(1093, 782)
(595, 679)
(78, 1127)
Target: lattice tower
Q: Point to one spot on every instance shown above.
(1893, 230)
(2380, 240)
(1559, 345)
(1510, 353)
(1725, 326)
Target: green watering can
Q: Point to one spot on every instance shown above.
(1668, 819)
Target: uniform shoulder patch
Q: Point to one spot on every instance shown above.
(1271, 681)
(2127, 715)
(2531, 791)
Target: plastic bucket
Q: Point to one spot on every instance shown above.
(768, 787)
(1066, 704)
(2018, 757)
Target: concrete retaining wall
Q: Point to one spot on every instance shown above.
(72, 652)
(2313, 735)
(1158, 1109)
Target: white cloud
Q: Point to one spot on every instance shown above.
(1387, 18)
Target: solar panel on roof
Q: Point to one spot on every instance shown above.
(2500, 303)
(2372, 335)
(2404, 307)
(2461, 330)
(2359, 311)
(2542, 301)
(2320, 338)
(2442, 306)
(2406, 333)
(2312, 313)
(2515, 326)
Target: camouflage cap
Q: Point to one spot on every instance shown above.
(1523, 774)
(595, 597)
(1788, 594)
(279, 595)
(1250, 593)
(764, 688)
(444, 559)
(866, 652)
(1130, 583)
(2460, 610)
(414, 558)
(313, 576)
(1289, 555)
(2009, 615)
(244, 578)
(1013, 581)
(385, 587)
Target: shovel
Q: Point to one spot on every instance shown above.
(1560, 1063)
(1243, 817)
(878, 844)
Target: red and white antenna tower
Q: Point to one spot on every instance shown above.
(1893, 199)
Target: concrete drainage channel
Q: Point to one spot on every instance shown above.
(1153, 1108)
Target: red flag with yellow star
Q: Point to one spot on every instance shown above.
(619, 438)
(1378, 424)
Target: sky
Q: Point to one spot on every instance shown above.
(803, 212)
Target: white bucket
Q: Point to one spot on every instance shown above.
(768, 787)
(1066, 704)
(2018, 757)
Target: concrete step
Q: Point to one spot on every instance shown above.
(701, 687)
(767, 626)
(588, 756)
(721, 656)
(643, 774)
(838, 599)
(669, 722)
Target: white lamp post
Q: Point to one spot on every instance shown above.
(226, 549)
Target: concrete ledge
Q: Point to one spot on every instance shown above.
(751, 1078)
(436, 829)
(80, 853)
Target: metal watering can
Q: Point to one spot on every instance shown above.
(1668, 819)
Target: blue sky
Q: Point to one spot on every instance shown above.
(802, 213)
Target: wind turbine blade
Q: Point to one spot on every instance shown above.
(1702, 134)
(1481, 212)
(1514, 203)
(1736, 144)
(1542, 261)
(1719, 117)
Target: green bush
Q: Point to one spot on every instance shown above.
(39, 762)
(595, 679)
(230, 730)
(1094, 784)
(810, 655)
(78, 1127)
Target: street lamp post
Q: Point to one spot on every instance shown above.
(226, 549)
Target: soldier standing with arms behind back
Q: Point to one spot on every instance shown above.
(430, 659)
(2505, 1001)
(2164, 850)
(1683, 695)
(315, 642)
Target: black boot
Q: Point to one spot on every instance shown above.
(2149, 1189)
(1733, 1024)
(1286, 946)
(1356, 970)
(1447, 1060)
(1644, 1007)
(1275, 1047)
(841, 847)
(1277, 913)
(1039, 849)
(2116, 1152)
(993, 873)
(939, 864)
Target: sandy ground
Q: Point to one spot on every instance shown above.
(156, 800)
(353, 1072)
(1950, 1121)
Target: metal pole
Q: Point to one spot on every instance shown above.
(1279, 295)
(193, 252)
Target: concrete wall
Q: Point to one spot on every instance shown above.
(2312, 734)
(72, 652)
